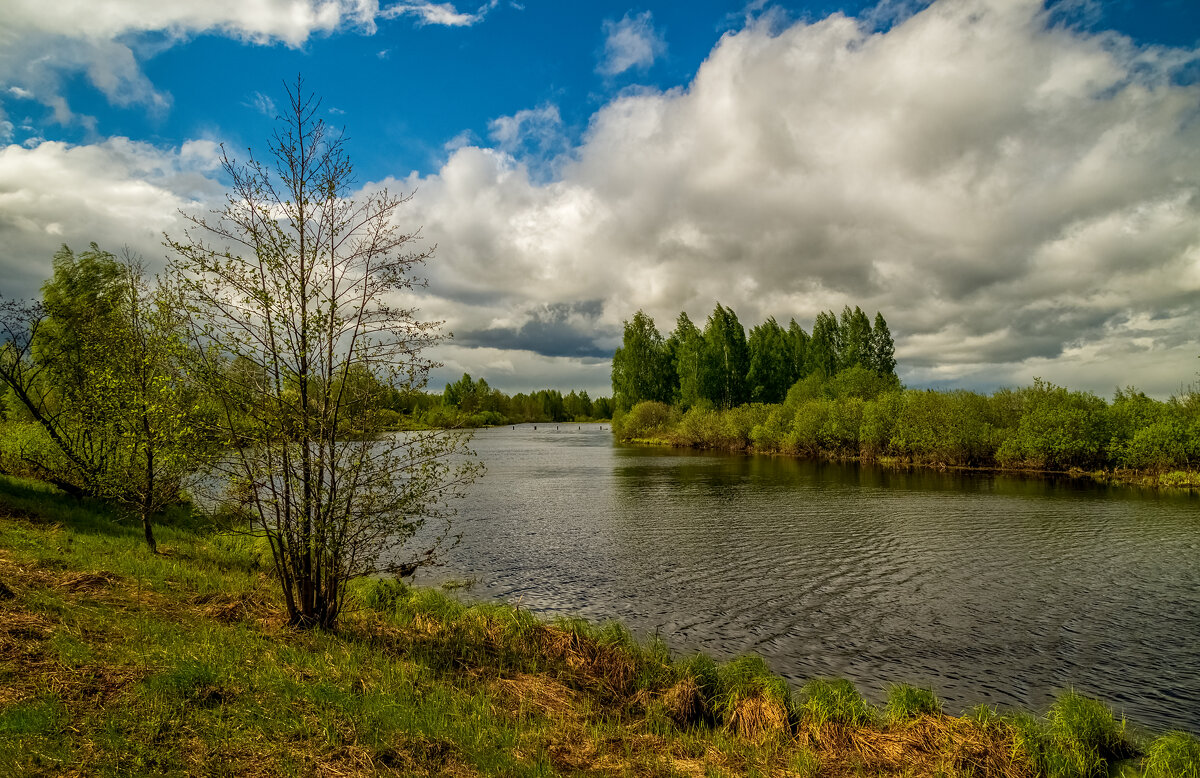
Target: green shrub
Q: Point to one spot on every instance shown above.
(878, 420)
(382, 594)
(808, 423)
(1081, 738)
(647, 419)
(697, 427)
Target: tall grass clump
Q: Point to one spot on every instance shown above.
(905, 702)
(753, 701)
(1173, 755)
(835, 701)
(1080, 738)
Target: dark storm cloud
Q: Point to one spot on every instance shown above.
(557, 330)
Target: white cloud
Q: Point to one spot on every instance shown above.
(262, 103)
(42, 43)
(535, 134)
(1014, 196)
(630, 43)
(116, 193)
(1018, 199)
(444, 14)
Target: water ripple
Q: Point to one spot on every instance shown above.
(989, 589)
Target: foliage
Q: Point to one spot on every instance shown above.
(723, 368)
(101, 366)
(835, 701)
(1079, 738)
(861, 414)
(305, 304)
(1058, 429)
(476, 404)
(641, 368)
(647, 419)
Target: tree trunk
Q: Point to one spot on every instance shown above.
(149, 530)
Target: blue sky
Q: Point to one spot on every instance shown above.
(1016, 187)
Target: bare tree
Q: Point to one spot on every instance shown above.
(294, 290)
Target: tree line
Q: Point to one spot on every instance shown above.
(857, 415)
(474, 403)
(721, 366)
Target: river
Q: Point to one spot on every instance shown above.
(988, 588)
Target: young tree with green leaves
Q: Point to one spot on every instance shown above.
(99, 366)
(823, 346)
(726, 359)
(298, 277)
(797, 342)
(854, 339)
(688, 353)
(883, 350)
(642, 368)
(770, 374)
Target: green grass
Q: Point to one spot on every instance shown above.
(1173, 755)
(114, 661)
(905, 702)
(836, 701)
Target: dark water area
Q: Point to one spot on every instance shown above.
(988, 588)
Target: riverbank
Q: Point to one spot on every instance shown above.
(1171, 479)
(116, 661)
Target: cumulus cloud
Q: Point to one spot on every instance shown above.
(1018, 198)
(536, 135)
(630, 43)
(41, 43)
(117, 193)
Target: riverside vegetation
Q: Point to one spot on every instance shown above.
(114, 661)
(835, 395)
(140, 636)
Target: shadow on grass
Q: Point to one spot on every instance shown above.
(44, 505)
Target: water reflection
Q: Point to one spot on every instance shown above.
(990, 588)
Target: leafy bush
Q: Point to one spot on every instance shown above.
(647, 419)
(1058, 429)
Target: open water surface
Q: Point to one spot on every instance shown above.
(987, 588)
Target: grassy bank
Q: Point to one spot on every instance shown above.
(116, 662)
(1036, 430)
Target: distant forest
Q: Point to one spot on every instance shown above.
(473, 403)
(721, 367)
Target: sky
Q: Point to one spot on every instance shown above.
(1015, 185)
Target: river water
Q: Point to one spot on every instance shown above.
(987, 588)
